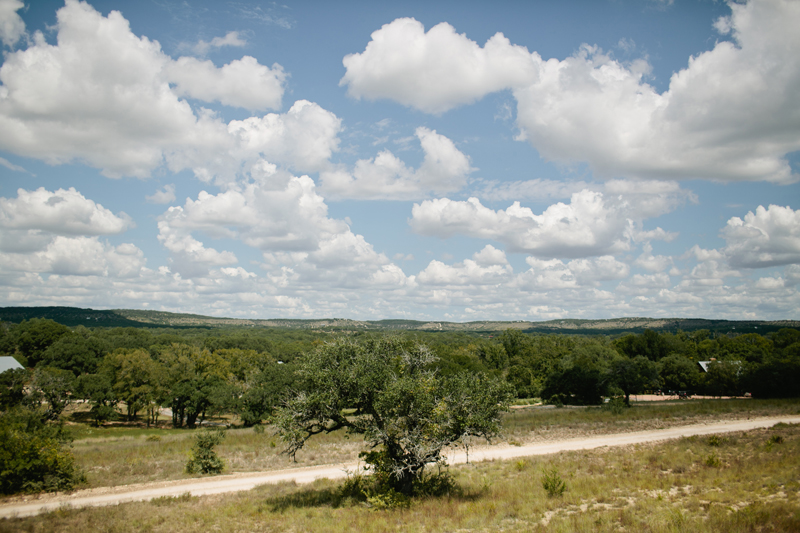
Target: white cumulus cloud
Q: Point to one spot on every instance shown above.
(109, 98)
(165, 195)
(63, 212)
(444, 168)
(433, 71)
(590, 225)
(12, 27)
(729, 115)
(768, 237)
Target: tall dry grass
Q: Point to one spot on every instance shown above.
(666, 487)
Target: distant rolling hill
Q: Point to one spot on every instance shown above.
(73, 316)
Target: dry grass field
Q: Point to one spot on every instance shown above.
(734, 482)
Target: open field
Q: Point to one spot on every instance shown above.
(746, 481)
(124, 455)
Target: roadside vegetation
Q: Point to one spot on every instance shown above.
(738, 482)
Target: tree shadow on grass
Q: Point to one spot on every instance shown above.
(330, 497)
(334, 498)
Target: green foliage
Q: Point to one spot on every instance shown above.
(649, 344)
(407, 413)
(616, 405)
(776, 378)
(775, 439)
(388, 499)
(580, 378)
(34, 454)
(722, 379)
(552, 483)
(53, 389)
(204, 458)
(135, 379)
(633, 376)
(33, 337)
(74, 352)
(99, 390)
(195, 378)
(260, 393)
(12, 387)
(679, 373)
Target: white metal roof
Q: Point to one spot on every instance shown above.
(8, 363)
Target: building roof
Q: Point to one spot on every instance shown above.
(8, 363)
(704, 364)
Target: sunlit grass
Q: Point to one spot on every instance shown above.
(120, 455)
(665, 487)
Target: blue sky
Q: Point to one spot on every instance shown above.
(427, 160)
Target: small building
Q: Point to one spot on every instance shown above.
(9, 363)
(705, 364)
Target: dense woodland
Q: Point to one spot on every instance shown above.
(197, 372)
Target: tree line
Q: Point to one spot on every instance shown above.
(134, 373)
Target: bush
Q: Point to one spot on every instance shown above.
(616, 405)
(34, 454)
(204, 459)
(552, 483)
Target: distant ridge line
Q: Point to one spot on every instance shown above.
(74, 316)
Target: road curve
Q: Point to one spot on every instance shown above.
(237, 482)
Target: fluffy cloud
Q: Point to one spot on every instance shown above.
(768, 237)
(652, 263)
(729, 115)
(588, 226)
(165, 195)
(78, 256)
(433, 71)
(240, 83)
(63, 212)
(443, 169)
(232, 38)
(553, 274)
(487, 267)
(102, 95)
(58, 233)
(303, 138)
(12, 28)
(289, 223)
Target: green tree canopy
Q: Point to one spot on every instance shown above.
(384, 388)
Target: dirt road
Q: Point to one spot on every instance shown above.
(236, 482)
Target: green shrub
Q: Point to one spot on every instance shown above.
(34, 454)
(776, 439)
(388, 499)
(356, 486)
(616, 405)
(436, 484)
(204, 459)
(552, 483)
